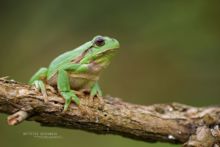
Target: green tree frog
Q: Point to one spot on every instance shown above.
(77, 69)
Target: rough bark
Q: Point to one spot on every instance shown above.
(173, 123)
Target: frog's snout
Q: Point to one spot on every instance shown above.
(117, 44)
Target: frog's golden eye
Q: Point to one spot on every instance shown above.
(99, 41)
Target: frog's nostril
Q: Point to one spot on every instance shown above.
(113, 39)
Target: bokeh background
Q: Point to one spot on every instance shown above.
(170, 52)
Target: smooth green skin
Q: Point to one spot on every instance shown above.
(79, 65)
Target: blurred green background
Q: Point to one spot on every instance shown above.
(170, 51)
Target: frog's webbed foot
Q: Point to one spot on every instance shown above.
(36, 80)
(95, 90)
(41, 87)
(96, 93)
(69, 96)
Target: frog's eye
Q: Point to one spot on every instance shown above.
(99, 41)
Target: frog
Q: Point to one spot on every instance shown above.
(77, 69)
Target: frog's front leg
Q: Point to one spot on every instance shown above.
(64, 88)
(95, 90)
(63, 82)
(37, 80)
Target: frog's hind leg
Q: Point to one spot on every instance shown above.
(37, 80)
(63, 85)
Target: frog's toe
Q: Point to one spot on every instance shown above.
(95, 91)
(41, 87)
(69, 96)
(97, 94)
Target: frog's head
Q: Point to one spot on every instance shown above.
(101, 51)
(104, 45)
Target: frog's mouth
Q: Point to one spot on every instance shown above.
(102, 57)
(106, 52)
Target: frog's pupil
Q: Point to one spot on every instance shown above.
(99, 41)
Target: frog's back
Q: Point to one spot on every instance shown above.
(65, 58)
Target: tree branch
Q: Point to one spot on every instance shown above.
(173, 123)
